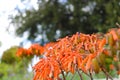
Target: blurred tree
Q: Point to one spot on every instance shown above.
(13, 67)
(58, 18)
(9, 56)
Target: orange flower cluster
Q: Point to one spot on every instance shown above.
(77, 52)
(47, 70)
(113, 36)
(23, 52)
(69, 54)
(35, 49)
(113, 40)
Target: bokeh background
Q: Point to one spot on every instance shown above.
(23, 22)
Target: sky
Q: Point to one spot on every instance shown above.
(7, 7)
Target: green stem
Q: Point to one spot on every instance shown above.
(106, 73)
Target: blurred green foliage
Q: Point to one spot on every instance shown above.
(12, 67)
(9, 56)
(58, 18)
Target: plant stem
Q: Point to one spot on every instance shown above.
(79, 74)
(76, 67)
(106, 77)
(63, 74)
(90, 75)
(61, 70)
(106, 73)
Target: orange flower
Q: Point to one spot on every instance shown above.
(102, 43)
(46, 68)
(36, 49)
(89, 62)
(66, 54)
(115, 58)
(22, 52)
(113, 32)
(70, 61)
(112, 66)
(106, 52)
(118, 72)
